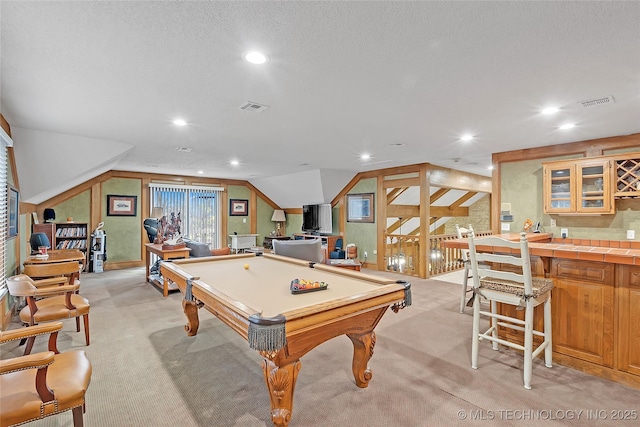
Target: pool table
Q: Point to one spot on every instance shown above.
(251, 294)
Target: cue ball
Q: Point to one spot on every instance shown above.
(246, 266)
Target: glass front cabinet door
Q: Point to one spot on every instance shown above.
(578, 187)
(559, 180)
(593, 191)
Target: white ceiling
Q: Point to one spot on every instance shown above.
(343, 78)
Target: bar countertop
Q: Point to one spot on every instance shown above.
(545, 245)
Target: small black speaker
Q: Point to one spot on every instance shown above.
(49, 215)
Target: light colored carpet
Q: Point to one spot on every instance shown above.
(148, 372)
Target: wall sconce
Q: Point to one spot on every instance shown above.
(278, 217)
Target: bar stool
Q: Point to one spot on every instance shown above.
(518, 289)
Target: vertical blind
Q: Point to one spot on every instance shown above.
(5, 141)
(196, 206)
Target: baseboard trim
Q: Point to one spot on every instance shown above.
(621, 377)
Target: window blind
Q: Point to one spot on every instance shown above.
(5, 141)
(197, 207)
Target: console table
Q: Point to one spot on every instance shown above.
(242, 241)
(164, 254)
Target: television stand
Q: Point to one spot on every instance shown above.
(328, 241)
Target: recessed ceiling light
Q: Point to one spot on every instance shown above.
(365, 156)
(200, 172)
(234, 162)
(550, 110)
(256, 57)
(466, 137)
(490, 168)
(567, 126)
(179, 122)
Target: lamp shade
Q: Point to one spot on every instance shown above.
(157, 212)
(278, 216)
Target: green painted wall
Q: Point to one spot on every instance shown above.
(521, 185)
(238, 224)
(78, 208)
(294, 223)
(364, 235)
(124, 235)
(264, 224)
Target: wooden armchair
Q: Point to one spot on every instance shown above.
(49, 300)
(69, 269)
(42, 384)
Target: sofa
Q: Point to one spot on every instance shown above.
(308, 250)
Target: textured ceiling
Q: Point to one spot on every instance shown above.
(343, 78)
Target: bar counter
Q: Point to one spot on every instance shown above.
(595, 302)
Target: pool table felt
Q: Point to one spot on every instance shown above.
(264, 286)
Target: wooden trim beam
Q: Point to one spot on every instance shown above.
(403, 211)
(442, 211)
(401, 182)
(438, 194)
(425, 214)
(589, 148)
(462, 199)
(455, 179)
(395, 193)
(381, 221)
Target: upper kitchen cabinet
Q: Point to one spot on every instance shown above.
(578, 187)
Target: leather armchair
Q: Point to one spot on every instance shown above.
(221, 251)
(338, 252)
(49, 300)
(42, 384)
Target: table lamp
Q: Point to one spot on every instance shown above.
(158, 213)
(278, 217)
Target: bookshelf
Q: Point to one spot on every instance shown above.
(68, 235)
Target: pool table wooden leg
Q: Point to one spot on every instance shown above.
(190, 309)
(281, 380)
(362, 351)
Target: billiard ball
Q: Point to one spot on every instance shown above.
(246, 266)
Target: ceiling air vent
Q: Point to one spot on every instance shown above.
(184, 149)
(597, 101)
(253, 106)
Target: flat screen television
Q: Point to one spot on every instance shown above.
(317, 219)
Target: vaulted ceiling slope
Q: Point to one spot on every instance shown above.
(401, 81)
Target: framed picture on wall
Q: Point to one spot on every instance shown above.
(360, 207)
(238, 207)
(121, 205)
(13, 198)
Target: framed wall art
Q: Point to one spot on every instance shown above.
(238, 207)
(121, 205)
(13, 198)
(360, 207)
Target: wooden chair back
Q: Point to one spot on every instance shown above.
(70, 269)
